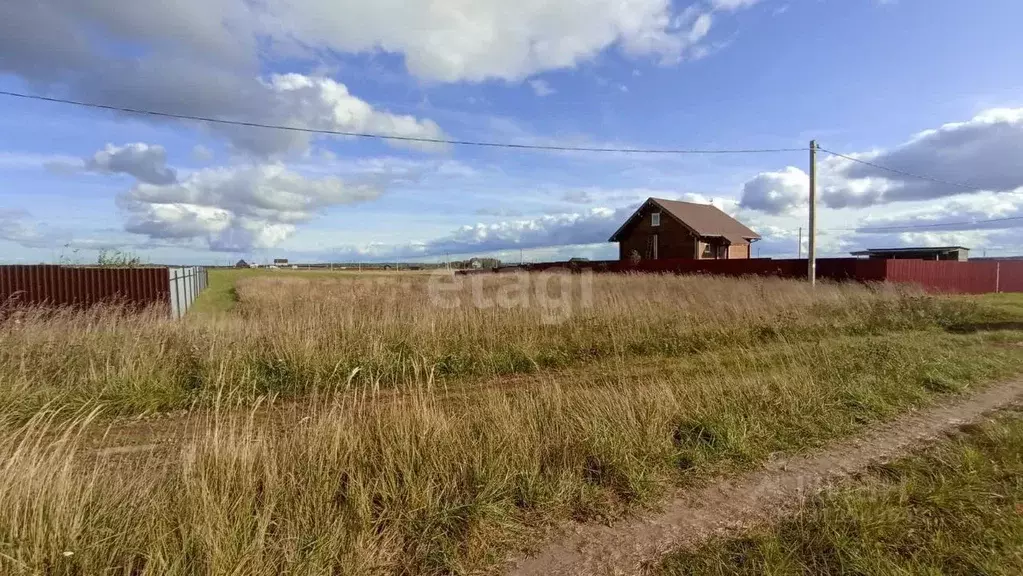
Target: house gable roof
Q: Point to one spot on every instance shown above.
(705, 220)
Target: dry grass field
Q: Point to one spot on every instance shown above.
(407, 424)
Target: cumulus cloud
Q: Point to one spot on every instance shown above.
(456, 41)
(779, 192)
(976, 212)
(982, 153)
(147, 163)
(445, 40)
(235, 209)
(201, 58)
(207, 57)
(15, 227)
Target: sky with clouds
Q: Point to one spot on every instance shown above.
(921, 86)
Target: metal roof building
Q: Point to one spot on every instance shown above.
(957, 253)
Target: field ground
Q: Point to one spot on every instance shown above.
(311, 422)
(220, 295)
(758, 498)
(954, 508)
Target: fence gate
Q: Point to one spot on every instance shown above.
(185, 285)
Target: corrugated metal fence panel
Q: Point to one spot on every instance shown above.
(82, 286)
(942, 276)
(183, 286)
(934, 276)
(1010, 276)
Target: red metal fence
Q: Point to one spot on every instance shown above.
(83, 286)
(935, 276)
(1010, 276)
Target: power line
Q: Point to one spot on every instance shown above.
(904, 173)
(210, 120)
(921, 226)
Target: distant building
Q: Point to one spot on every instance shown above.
(241, 264)
(662, 229)
(957, 253)
(280, 261)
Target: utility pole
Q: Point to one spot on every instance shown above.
(811, 271)
(799, 248)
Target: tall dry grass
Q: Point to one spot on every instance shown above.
(290, 336)
(418, 483)
(675, 379)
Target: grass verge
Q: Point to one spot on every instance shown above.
(295, 334)
(956, 508)
(422, 485)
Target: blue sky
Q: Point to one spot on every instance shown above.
(929, 87)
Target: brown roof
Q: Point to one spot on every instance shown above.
(705, 220)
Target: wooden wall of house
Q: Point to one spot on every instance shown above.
(673, 239)
(739, 251)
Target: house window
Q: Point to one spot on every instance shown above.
(655, 219)
(708, 251)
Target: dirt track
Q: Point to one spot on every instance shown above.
(737, 503)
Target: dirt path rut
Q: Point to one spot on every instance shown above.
(749, 499)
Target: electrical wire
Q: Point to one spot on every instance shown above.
(904, 173)
(921, 226)
(210, 120)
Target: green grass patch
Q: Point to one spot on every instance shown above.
(956, 508)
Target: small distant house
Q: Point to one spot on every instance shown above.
(280, 261)
(475, 263)
(956, 253)
(241, 264)
(663, 229)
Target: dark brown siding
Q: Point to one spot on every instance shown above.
(673, 239)
(74, 286)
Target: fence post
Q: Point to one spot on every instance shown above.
(998, 277)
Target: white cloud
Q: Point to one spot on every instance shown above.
(147, 163)
(15, 227)
(235, 209)
(779, 192)
(732, 4)
(207, 57)
(541, 87)
(449, 40)
(986, 211)
(323, 103)
(444, 40)
(200, 58)
(982, 153)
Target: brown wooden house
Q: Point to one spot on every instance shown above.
(663, 229)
